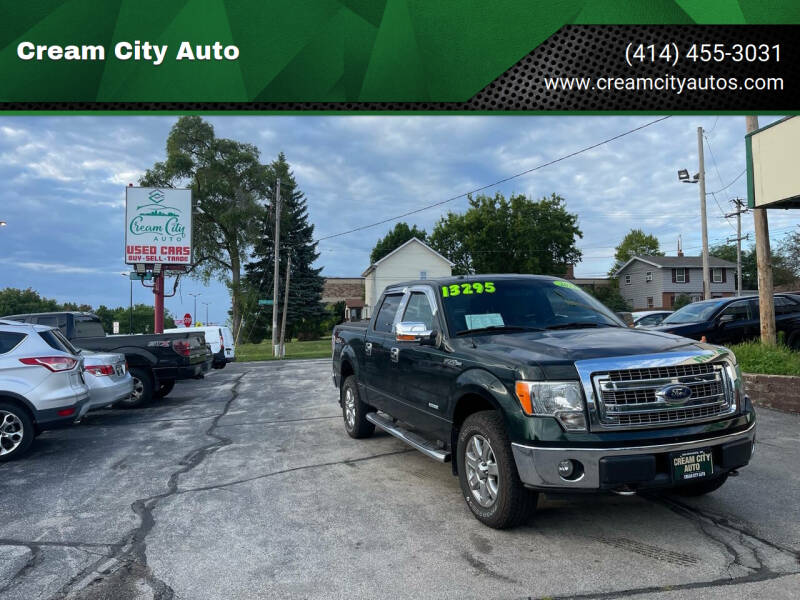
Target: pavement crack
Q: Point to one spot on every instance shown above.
(346, 461)
(119, 573)
(281, 421)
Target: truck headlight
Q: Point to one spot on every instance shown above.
(560, 399)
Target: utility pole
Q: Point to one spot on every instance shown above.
(276, 258)
(766, 305)
(704, 225)
(194, 314)
(739, 204)
(285, 304)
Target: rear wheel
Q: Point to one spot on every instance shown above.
(355, 411)
(142, 389)
(165, 387)
(487, 473)
(701, 487)
(16, 431)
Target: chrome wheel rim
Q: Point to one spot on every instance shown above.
(483, 476)
(350, 408)
(11, 432)
(138, 388)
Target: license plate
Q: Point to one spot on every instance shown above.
(692, 464)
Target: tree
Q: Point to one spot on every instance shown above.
(635, 243)
(143, 318)
(14, 301)
(681, 300)
(610, 296)
(518, 235)
(305, 311)
(394, 239)
(789, 250)
(228, 184)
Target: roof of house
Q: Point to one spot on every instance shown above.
(337, 289)
(672, 262)
(371, 268)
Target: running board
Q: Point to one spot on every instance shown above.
(412, 439)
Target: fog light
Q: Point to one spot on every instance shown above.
(565, 468)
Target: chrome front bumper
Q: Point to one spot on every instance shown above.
(538, 466)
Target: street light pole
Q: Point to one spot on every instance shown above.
(703, 223)
(130, 306)
(206, 303)
(194, 313)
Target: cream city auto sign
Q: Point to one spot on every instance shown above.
(158, 226)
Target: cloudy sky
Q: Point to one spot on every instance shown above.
(62, 185)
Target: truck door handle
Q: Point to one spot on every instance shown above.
(395, 352)
(368, 348)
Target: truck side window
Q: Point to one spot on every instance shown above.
(385, 319)
(419, 310)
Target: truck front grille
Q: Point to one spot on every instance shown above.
(636, 398)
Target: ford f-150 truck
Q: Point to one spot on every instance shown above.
(155, 361)
(527, 384)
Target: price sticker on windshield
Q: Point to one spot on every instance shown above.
(465, 289)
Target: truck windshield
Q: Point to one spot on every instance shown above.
(521, 304)
(693, 313)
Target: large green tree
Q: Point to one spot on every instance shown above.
(228, 184)
(143, 318)
(635, 243)
(14, 301)
(398, 236)
(305, 311)
(514, 235)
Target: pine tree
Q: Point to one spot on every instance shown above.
(305, 311)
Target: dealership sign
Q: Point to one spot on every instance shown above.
(158, 226)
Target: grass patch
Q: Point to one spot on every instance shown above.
(754, 357)
(294, 349)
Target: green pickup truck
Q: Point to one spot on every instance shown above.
(527, 384)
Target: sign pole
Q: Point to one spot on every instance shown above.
(158, 290)
(276, 258)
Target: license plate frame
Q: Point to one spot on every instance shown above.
(692, 465)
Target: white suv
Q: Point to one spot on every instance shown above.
(41, 384)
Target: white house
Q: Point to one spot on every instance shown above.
(413, 260)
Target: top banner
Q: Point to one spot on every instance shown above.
(400, 55)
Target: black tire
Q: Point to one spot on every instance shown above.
(512, 504)
(164, 388)
(16, 431)
(143, 389)
(701, 487)
(357, 426)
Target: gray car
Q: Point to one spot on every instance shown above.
(41, 385)
(108, 378)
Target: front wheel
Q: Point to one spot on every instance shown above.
(487, 473)
(16, 431)
(701, 487)
(355, 411)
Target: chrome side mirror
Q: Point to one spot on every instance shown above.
(411, 331)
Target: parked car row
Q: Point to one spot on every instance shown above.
(54, 367)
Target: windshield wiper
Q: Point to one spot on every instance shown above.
(577, 325)
(494, 328)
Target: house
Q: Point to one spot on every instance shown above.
(653, 282)
(413, 260)
(349, 290)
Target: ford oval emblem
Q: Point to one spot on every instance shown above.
(675, 394)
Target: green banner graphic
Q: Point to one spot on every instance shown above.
(303, 50)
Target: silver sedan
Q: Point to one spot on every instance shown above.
(107, 377)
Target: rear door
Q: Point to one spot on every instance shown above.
(786, 313)
(378, 366)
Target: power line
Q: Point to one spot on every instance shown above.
(490, 185)
(716, 168)
(730, 184)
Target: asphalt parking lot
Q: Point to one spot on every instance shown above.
(245, 485)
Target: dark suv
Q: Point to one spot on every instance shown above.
(733, 320)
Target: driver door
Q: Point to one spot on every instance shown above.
(738, 328)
